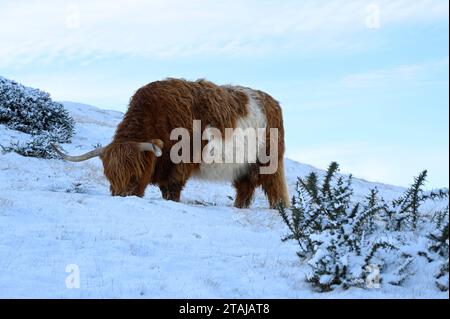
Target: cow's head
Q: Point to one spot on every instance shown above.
(128, 166)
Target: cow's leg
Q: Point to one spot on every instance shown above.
(245, 188)
(174, 191)
(176, 180)
(275, 187)
(164, 191)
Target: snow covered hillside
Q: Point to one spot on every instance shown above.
(54, 214)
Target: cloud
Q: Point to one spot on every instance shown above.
(402, 74)
(45, 31)
(393, 164)
(332, 90)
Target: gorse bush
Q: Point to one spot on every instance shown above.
(37, 146)
(404, 212)
(438, 247)
(32, 111)
(344, 240)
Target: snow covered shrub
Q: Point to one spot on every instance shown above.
(32, 111)
(331, 230)
(344, 240)
(37, 146)
(403, 213)
(442, 277)
(438, 247)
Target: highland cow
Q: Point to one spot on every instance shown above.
(140, 153)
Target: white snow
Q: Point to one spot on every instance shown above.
(54, 214)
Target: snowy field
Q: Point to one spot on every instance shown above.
(54, 214)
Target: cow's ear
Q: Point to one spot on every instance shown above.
(155, 146)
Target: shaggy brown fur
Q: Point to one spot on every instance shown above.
(161, 106)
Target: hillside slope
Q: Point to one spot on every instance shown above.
(53, 214)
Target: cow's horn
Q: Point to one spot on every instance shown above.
(150, 147)
(94, 153)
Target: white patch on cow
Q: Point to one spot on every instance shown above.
(255, 119)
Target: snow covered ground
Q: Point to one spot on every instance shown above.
(54, 214)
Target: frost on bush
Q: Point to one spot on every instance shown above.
(32, 111)
(442, 277)
(344, 240)
(404, 213)
(438, 247)
(37, 146)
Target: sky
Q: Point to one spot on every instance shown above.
(363, 83)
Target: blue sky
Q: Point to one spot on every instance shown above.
(364, 83)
